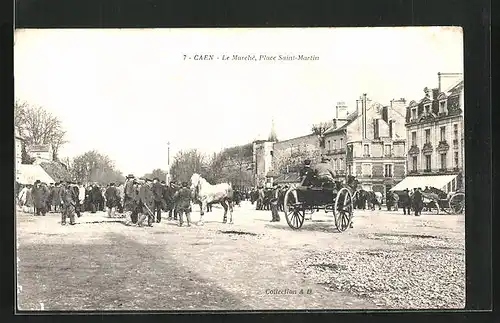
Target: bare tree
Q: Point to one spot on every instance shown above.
(186, 163)
(319, 130)
(93, 166)
(159, 173)
(38, 126)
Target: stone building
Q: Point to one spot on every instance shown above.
(375, 144)
(435, 132)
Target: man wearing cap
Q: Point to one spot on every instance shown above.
(183, 200)
(157, 189)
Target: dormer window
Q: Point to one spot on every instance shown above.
(414, 113)
(442, 106)
(427, 108)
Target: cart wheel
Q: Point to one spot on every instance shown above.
(294, 212)
(457, 203)
(343, 209)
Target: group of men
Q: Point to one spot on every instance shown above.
(142, 198)
(64, 197)
(146, 199)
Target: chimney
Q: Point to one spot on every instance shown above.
(435, 94)
(334, 124)
(439, 82)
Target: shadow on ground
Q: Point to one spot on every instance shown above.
(315, 226)
(120, 275)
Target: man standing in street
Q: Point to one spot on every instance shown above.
(129, 197)
(112, 199)
(405, 202)
(68, 204)
(183, 203)
(274, 204)
(146, 203)
(157, 198)
(417, 201)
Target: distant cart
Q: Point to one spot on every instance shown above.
(301, 200)
(438, 201)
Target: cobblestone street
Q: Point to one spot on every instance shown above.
(102, 264)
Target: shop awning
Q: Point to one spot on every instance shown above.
(28, 174)
(437, 181)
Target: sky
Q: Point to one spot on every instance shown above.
(128, 92)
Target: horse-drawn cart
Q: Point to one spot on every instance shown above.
(437, 201)
(299, 200)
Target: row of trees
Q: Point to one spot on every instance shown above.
(226, 166)
(38, 126)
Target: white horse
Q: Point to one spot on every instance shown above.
(204, 193)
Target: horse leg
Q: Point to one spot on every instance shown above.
(230, 205)
(203, 205)
(224, 205)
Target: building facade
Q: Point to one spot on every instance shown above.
(435, 131)
(375, 147)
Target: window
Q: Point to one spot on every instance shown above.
(443, 161)
(366, 169)
(428, 163)
(414, 114)
(413, 138)
(272, 153)
(366, 150)
(335, 144)
(455, 132)
(427, 136)
(443, 133)
(456, 159)
(414, 163)
(427, 108)
(387, 150)
(329, 147)
(341, 164)
(335, 164)
(341, 143)
(442, 106)
(388, 170)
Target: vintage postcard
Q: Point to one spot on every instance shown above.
(240, 169)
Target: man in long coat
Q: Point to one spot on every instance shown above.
(40, 193)
(157, 190)
(170, 192)
(129, 194)
(68, 204)
(146, 203)
(56, 197)
(418, 203)
(183, 199)
(112, 199)
(95, 198)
